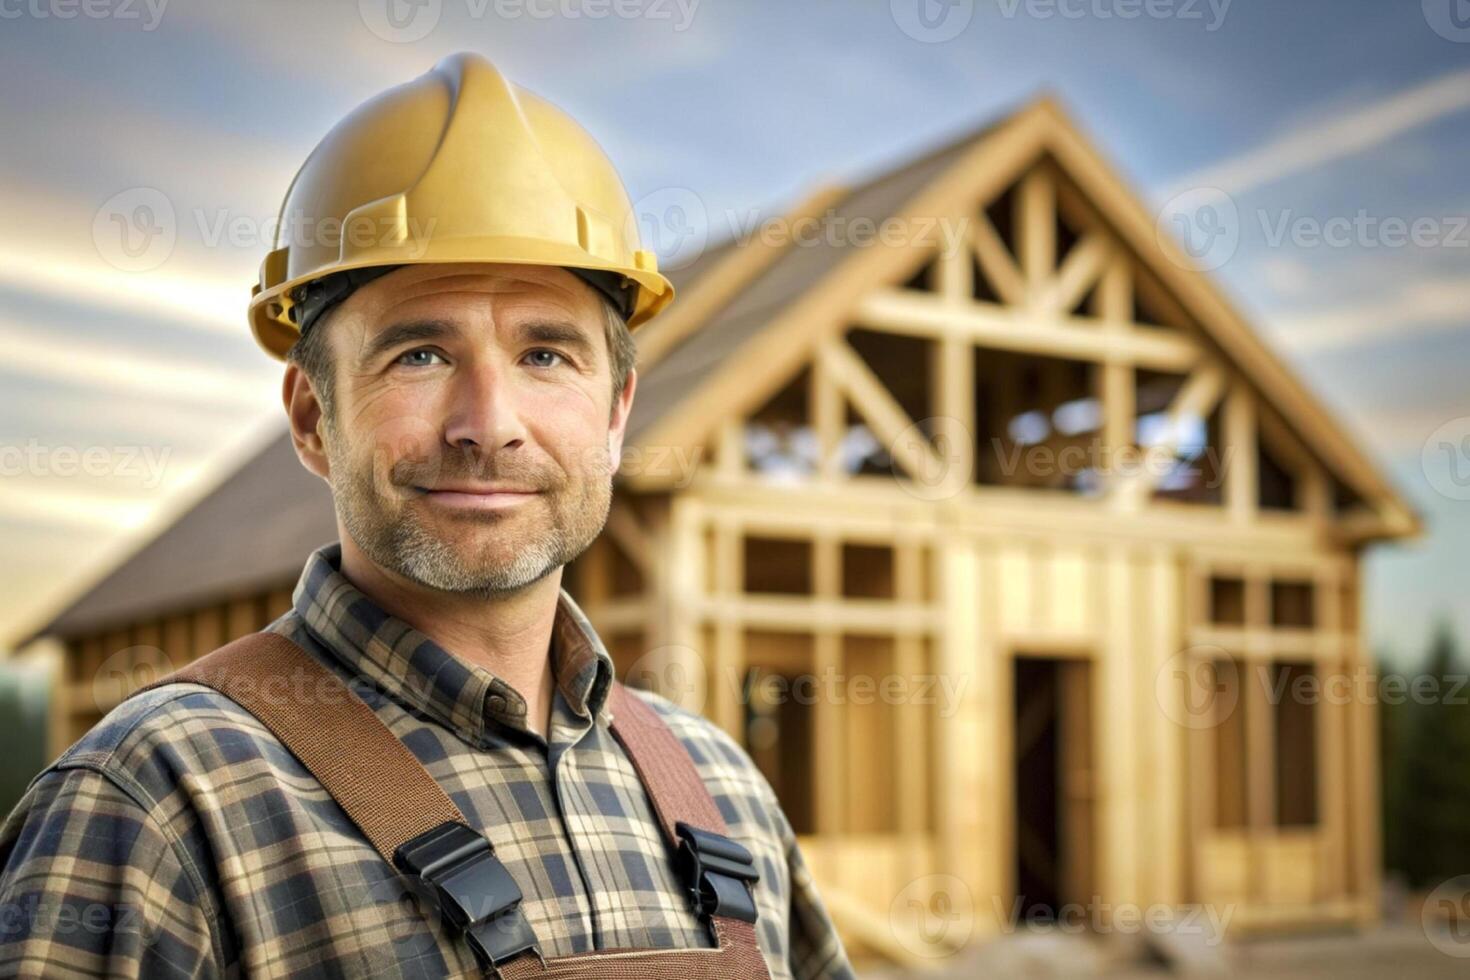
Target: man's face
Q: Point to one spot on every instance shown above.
(453, 380)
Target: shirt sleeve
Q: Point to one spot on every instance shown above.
(92, 885)
(815, 950)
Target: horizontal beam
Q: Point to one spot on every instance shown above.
(917, 314)
(1298, 644)
(808, 614)
(621, 615)
(869, 507)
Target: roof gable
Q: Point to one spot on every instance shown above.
(750, 316)
(745, 351)
(732, 294)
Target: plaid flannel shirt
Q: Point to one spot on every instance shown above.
(179, 838)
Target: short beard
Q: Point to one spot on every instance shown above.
(404, 544)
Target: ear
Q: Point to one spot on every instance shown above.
(304, 413)
(622, 408)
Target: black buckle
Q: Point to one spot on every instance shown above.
(718, 871)
(472, 889)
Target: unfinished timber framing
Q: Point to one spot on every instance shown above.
(985, 574)
(967, 515)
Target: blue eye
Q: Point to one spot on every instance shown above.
(551, 353)
(423, 350)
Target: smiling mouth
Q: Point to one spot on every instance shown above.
(476, 499)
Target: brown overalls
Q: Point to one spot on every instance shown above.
(414, 825)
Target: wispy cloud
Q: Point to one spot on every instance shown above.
(101, 512)
(210, 303)
(1340, 135)
(1396, 432)
(111, 369)
(1426, 306)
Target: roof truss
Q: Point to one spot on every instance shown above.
(1116, 264)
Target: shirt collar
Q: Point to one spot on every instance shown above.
(421, 674)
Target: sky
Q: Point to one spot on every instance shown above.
(1334, 133)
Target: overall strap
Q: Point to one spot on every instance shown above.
(416, 827)
(337, 737)
(377, 782)
(720, 872)
(664, 766)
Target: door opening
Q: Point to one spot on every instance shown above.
(1054, 785)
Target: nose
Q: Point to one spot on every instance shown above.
(484, 412)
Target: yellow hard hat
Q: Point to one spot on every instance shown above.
(458, 165)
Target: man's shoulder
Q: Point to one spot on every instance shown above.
(153, 739)
(170, 713)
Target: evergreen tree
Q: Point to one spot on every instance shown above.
(23, 705)
(1394, 717)
(1435, 816)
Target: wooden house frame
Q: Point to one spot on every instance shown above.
(845, 470)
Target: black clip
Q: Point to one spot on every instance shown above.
(472, 889)
(718, 871)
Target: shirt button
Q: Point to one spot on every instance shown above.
(497, 703)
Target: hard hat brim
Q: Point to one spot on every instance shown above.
(270, 308)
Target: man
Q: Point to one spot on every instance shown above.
(460, 374)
